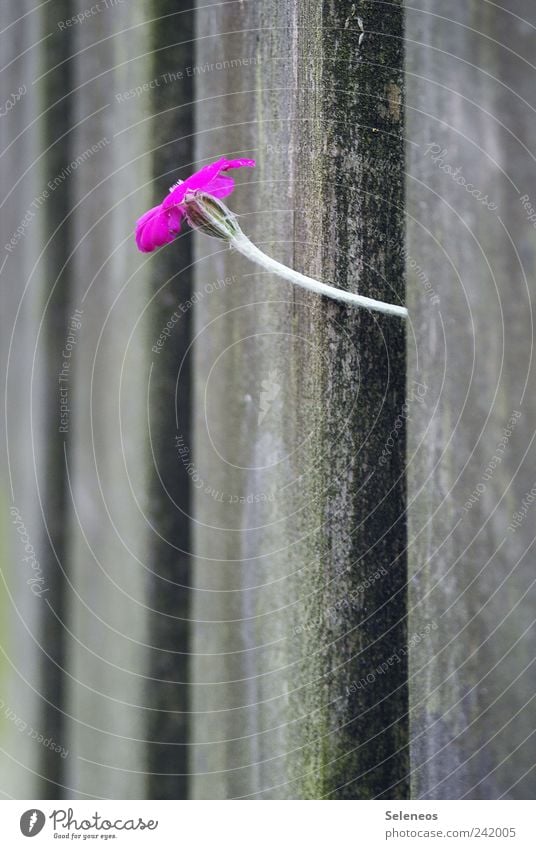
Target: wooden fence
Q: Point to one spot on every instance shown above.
(259, 544)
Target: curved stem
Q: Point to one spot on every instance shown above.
(242, 244)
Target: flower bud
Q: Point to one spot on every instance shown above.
(208, 214)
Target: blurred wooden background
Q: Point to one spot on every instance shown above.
(210, 584)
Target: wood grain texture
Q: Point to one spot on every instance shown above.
(471, 452)
(108, 702)
(300, 530)
(23, 535)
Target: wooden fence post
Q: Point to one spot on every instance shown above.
(130, 548)
(267, 432)
(471, 437)
(23, 588)
(97, 665)
(170, 508)
(299, 656)
(108, 455)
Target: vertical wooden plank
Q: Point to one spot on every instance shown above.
(50, 389)
(98, 664)
(300, 533)
(352, 168)
(244, 108)
(23, 584)
(171, 130)
(108, 699)
(471, 448)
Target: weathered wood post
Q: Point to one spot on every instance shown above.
(299, 657)
(23, 587)
(266, 431)
(170, 508)
(107, 701)
(471, 253)
(129, 610)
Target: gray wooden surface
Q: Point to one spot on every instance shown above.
(470, 91)
(220, 597)
(294, 402)
(109, 454)
(85, 663)
(23, 291)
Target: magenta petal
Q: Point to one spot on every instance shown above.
(157, 227)
(175, 216)
(143, 229)
(160, 225)
(220, 187)
(146, 216)
(193, 183)
(203, 180)
(176, 195)
(200, 180)
(238, 163)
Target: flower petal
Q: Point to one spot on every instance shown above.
(220, 186)
(238, 163)
(158, 227)
(193, 183)
(203, 180)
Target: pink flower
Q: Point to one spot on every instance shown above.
(162, 223)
